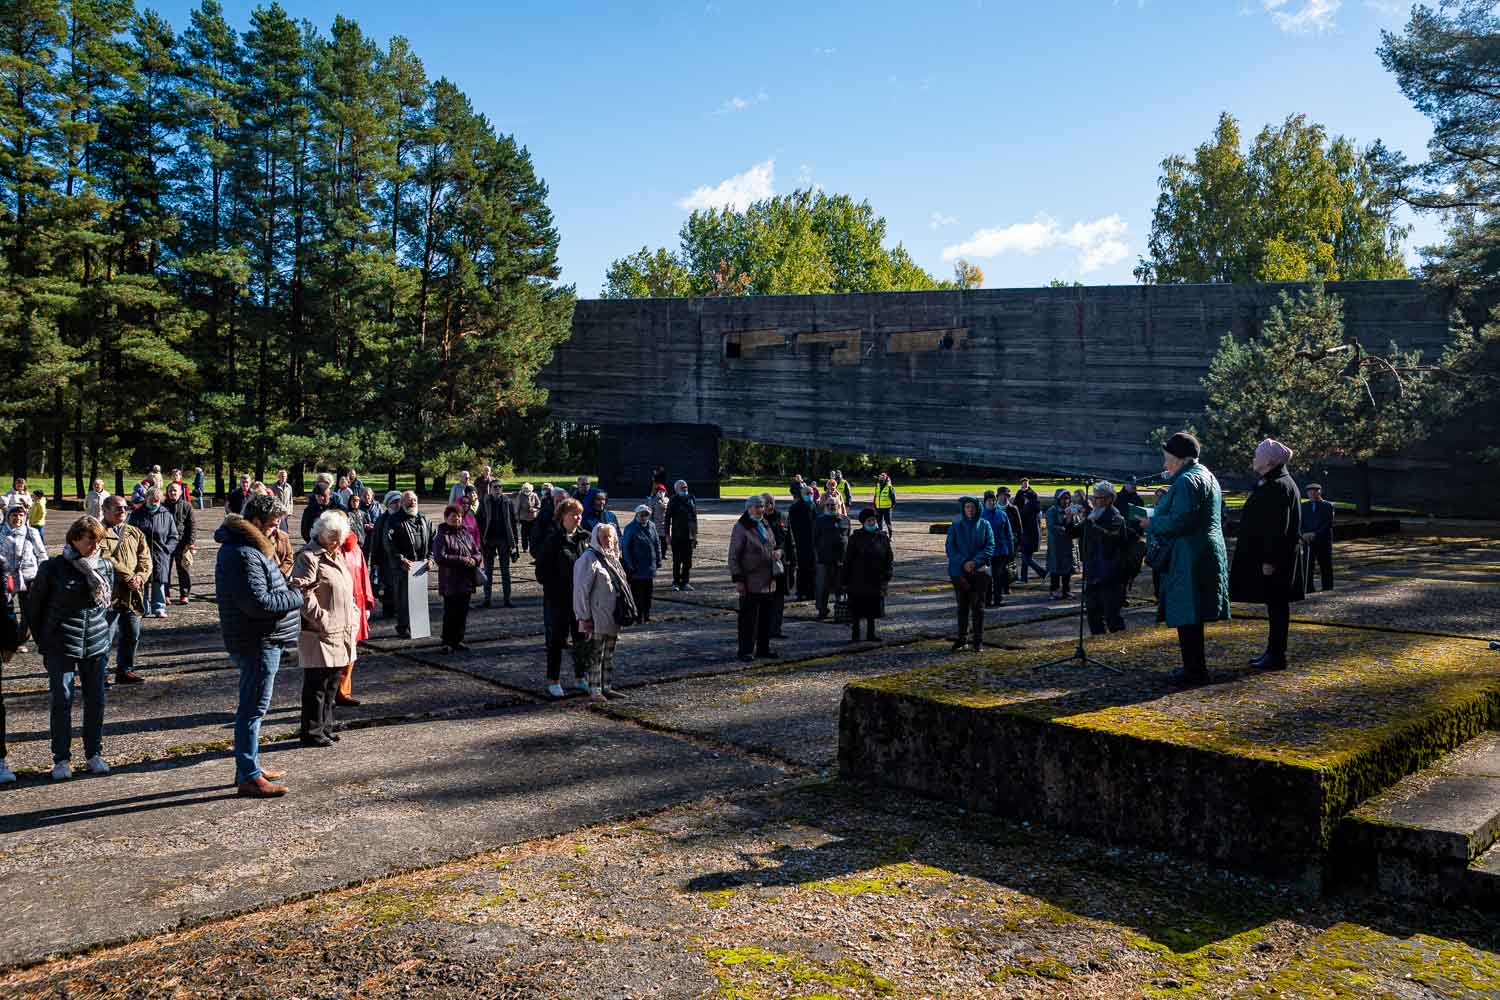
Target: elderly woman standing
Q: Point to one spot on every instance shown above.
(1060, 564)
(329, 624)
(1186, 537)
(752, 559)
(458, 560)
(1267, 567)
(364, 602)
(599, 586)
(528, 506)
(159, 525)
(68, 607)
(866, 573)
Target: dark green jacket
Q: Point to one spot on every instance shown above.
(1195, 584)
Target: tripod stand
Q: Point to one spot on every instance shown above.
(1080, 655)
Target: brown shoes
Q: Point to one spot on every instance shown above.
(259, 788)
(271, 775)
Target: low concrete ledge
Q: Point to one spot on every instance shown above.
(1254, 770)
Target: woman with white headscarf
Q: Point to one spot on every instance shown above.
(600, 592)
(1267, 568)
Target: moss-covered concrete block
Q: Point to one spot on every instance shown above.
(1253, 769)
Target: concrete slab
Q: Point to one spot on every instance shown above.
(170, 843)
(1431, 815)
(177, 713)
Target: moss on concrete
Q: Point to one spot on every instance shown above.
(750, 972)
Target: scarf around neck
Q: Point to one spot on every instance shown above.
(89, 567)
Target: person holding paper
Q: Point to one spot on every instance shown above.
(407, 542)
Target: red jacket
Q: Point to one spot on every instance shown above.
(364, 600)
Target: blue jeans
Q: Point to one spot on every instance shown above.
(129, 625)
(257, 668)
(60, 676)
(156, 597)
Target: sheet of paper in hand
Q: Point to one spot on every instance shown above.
(416, 597)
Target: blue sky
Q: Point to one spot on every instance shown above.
(1025, 134)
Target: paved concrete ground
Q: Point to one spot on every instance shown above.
(454, 755)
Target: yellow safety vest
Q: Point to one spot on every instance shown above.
(883, 494)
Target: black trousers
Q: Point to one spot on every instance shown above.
(1066, 579)
(1280, 615)
(642, 590)
(489, 573)
(807, 579)
(778, 606)
(883, 518)
(455, 618)
(526, 535)
(755, 624)
(320, 685)
(1190, 640)
(563, 626)
(999, 582)
(971, 605)
(1321, 551)
(682, 562)
(1105, 601)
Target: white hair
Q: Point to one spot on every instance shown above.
(331, 522)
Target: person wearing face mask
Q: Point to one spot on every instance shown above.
(970, 548)
(753, 558)
(1268, 567)
(640, 554)
(159, 526)
(830, 545)
(1187, 539)
(682, 529)
(799, 519)
(68, 607)
(407, 543)
(785, 544)
(866, 573)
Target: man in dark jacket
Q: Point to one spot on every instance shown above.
(555, 557)
(1003, 501)
(1267, 567)
(682, 530)
(970, 548)
(830, 540)
(235, 502)
(787, 543)
(187, 541)
(1104, 560)
(1317, 533)
(799, 518)
(1030, 507)
(322, 499)
(500, 537)
(407, 543)
(258, 615)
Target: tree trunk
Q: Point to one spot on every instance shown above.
(390, 480)
(57, 444)
(1363, 501)
(119, 482)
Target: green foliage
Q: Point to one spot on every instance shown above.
(254, 241)
(1301, 382)
(1296, 206)
(1447, 62)
(792, 244)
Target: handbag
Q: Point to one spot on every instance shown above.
(626, 613)
(841, 608)
(1158, 555)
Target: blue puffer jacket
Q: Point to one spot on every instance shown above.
(640, 550)
(256, 607)
(969, 540)
(63, 614)
(999, 522)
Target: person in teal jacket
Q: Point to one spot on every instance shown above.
(970, 548)
(1186, 530)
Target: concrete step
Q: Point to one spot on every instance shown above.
(1433, 834)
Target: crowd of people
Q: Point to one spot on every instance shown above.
(357, 557)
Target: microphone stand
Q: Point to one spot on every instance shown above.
(1080, 655)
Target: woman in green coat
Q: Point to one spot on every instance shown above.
(1185, 528)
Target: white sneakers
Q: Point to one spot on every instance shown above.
(7, 776)
(555, 690)
(62, 771)
(97, 765)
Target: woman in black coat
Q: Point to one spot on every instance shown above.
(866, 573)
(1266, 568)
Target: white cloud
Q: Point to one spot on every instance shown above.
(1299, 17)
(824, 52)
(939, 220)
(1099, 243)
(736, 192)
(738, 103)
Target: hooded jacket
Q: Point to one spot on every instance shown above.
(591, 518)
(1005, 543)
(256, 607)
(160, 529)
(970, 539)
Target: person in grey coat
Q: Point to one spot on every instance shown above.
(159, 525)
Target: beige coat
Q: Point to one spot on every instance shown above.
(131, 555)
(595, 592)
(329, 620)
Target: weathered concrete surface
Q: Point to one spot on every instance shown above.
(1254, 769)
(171, 843)
(897, 373)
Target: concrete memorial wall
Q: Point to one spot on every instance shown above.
(1067, 380)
